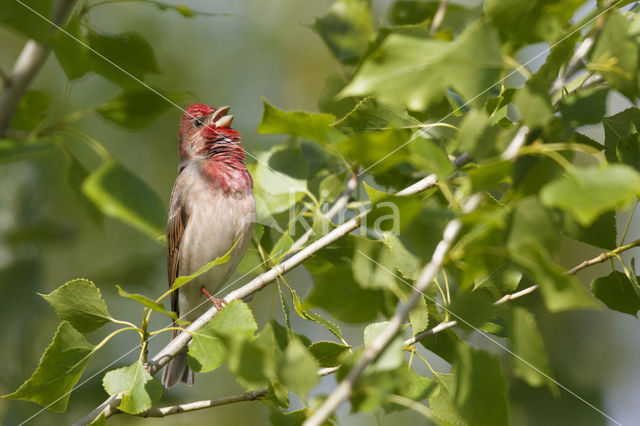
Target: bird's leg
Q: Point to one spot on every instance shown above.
(218, 303)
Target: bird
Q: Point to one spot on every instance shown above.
(211, 209)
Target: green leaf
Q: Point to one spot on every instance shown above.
(528, 21)
(628, 150)
(297, 369)
(327, 100)
(601, 233)
(183, 279)
(336, 291)
(617, 127)
(393, 356)
(505, 278)
(615, 55)
(58, 371)
(419, 317)
(80, 303)
(136, 108)
(328, 353)
(430, 157)
(403, 260)
(309, 315)
(315, 127)
(287, 158)
(390, 213)
(369, 264)
(415, 71)
(274, 191)
(291, 418)
(488, 176)
(414, 386)
(331, 187)
(140, 390)
(281, 247)
(587, 193)
(145, 301)
(99, 421)
(480, 393)
(559, 291)
(528, 215)
(130, 51)
(120, 194)
(617, 292)
(124, 51)
(527, 344)
(14, 150)
(371, 114)
(474, 308)
(75, 59)
(441, 404)
(24, 21)
(346, 29)
(31, 110)
(584, 107)
(534, 104)
(207, 350)
(382, 150)
(76, 175)
(477, 136)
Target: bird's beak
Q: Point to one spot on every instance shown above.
(220, 119)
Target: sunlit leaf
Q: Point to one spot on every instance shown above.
(58, 371)
(587, 193)
(139, 390)
(80, 303)
(145, 301)
(207, 350)
(617, 292)
(120, 194)
(346, 29)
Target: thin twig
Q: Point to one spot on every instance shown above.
(508, 297)
(438, 17)
(437, 329)
(603, 257)
(33, 56)
(208, 403)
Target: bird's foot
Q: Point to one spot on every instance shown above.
(218, 303)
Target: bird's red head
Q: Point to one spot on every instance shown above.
(206, 132)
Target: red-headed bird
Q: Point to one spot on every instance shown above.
(211, 209)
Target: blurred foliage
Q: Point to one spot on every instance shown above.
(407, 97)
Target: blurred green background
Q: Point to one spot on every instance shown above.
(262, 49)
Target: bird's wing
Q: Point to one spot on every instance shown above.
(178, 217)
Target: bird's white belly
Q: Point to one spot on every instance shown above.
(216, 221)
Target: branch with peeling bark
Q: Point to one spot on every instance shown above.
(29, 62)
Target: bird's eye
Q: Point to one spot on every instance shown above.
(199, 122)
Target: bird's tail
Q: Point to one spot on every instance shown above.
(177, 370)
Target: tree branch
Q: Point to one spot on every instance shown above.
(33, 56)
(603, 257)
(438, 17)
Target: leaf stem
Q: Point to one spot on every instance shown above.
(626, 227)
